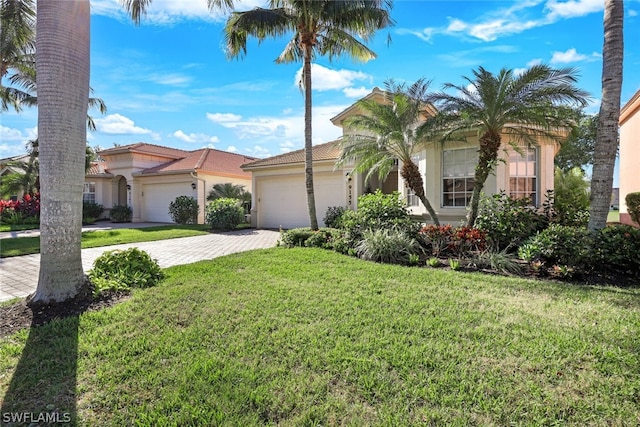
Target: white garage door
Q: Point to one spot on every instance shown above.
(283, 199)
(157, 197)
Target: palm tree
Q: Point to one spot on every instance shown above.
(391, 130)
(606, 146)
(62, 76)
(319, 27)
(17, 45)
(521, 106)
(228, 190)
(27, 179)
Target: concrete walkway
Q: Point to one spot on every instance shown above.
(19, 275)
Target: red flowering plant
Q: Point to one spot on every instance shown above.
(29, 206)
(445, 240)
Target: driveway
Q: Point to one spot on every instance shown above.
(19, 275)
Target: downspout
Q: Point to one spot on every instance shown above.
(204, 195)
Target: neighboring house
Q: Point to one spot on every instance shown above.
(279, 196)
(149, 177)
(6, 169)
(629, 153)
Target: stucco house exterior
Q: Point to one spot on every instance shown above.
(149, 177)
(279, 196)
(629, 153)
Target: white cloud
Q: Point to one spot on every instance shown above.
(10, 134)
(511, 20)
(287, 146)
(572, 55)
(519, 71)
(323, 78)
(352, 92)
(232, 149)
(169, 12)
(195, 137)
(632, 13)
(257, 151)
(572, 8)
(223, 118)
(282, 128)
(173, 79)
(116, 124)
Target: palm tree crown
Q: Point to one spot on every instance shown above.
(391, 130)
(319, 27)
(522, 107)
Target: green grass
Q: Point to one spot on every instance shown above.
(18, 227)
(613, 216)
(93, 239)
(309, 337)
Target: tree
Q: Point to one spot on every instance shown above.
(26, 178)
(577, 150)
(17, 45)
(521, 106)
(231, 191)
(606, 146)
(319, 27)
(62, 77)
(391, 130)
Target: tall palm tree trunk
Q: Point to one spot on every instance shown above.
(412, 176)
(308, 146)
(488, 155)
(606, 146)
(62, 65)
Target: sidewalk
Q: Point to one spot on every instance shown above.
(19, 275)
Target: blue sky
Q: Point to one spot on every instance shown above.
(168, 81)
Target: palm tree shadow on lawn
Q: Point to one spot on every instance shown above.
(43, 387)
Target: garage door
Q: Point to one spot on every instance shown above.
(282, 200)
(157, 197)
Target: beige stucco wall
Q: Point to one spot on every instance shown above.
(430, 165)
(629, 153)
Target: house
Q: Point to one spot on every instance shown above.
(279, 196)
(629, 158)
(6, 168)
(149, 177)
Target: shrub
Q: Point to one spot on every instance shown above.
(499, 261)
(120, 213)
(124, 269)
(616, 249)
(445, 240)
(508, 221)
(332, 217)
(559, 245)
(184, 210)
(295, 237)
(570, 199)
(377, 211)
(29, 206)
(91, 211)
(391, 246)
(633, 206)
(224, 214)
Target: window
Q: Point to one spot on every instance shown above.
(523, 181)
(412, 199)
(458, 169)
(89, 192)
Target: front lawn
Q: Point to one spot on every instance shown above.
(310, 337)
(93, 239)
(18, 227)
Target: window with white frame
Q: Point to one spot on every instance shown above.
(412, 199)
(458, 170)
(523, 171)
(89, 192)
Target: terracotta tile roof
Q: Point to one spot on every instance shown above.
(143, 147)
(205, 160)
(327, 151)
(97, 168)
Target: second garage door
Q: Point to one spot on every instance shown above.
(157, 197)
(282, 200)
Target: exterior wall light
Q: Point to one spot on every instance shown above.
(193, 185)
